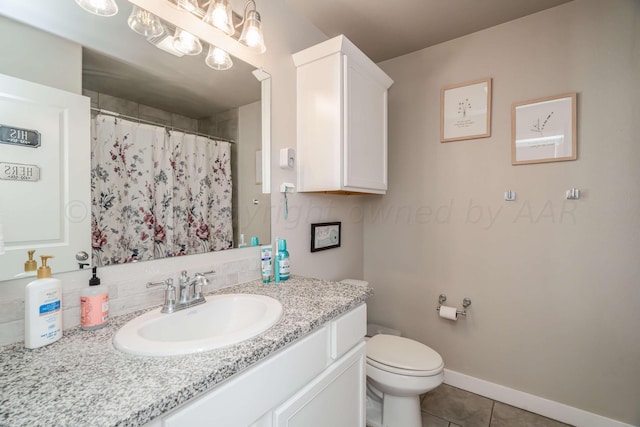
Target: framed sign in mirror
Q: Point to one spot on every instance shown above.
(544, 130)
(325, 235)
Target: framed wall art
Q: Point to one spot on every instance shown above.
(325, 235)
(544, 130)
(465, 111)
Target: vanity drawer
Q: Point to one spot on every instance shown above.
(243, 399)
(348, 330)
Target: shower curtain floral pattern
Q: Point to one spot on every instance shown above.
(157, 193)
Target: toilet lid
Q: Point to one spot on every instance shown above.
(403, 354)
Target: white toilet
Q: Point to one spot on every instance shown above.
(399, 370)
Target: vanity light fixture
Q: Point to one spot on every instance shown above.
(99, 7)
(188, 5)
(218, 59)
(145, 23)
(220, 15)
(187, 43)
(252, 36)
(165, 42)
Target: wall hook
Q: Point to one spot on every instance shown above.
(573, 194)
(510, 196)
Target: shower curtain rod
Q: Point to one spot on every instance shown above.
(149, 122)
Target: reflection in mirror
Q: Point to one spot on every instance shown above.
(185, 100)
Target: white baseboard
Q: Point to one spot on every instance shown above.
(548, 408)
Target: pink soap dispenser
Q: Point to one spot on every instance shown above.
(94, 305)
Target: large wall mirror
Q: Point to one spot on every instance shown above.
(179, 99)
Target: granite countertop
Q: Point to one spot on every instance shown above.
(82, 380)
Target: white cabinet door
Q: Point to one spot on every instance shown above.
(365, 146)
(335, 398)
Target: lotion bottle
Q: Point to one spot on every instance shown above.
(94, 304)
(43, 308)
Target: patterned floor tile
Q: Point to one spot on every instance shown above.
(508, 416)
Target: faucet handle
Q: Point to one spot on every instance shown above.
(184, 278)
(169, 297)
(199, 281)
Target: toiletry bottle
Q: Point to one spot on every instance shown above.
(265, 260)
(43, 308)
(276, 263)
(242, 243)
(94, 304)
(283, 260)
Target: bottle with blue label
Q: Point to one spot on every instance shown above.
(43, 308)
(282, 260)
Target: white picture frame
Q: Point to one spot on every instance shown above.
(544, 130)
(465, 111)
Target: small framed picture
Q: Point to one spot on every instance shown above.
(325, 235)
(544, 130)
(465, 111)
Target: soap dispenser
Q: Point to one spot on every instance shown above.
(43, 308)
(30, 265)
(94, 304)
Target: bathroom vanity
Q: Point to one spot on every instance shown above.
(306, 370)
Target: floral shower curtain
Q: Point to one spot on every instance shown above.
(157, 193)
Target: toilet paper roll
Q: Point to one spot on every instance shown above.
(450, 313)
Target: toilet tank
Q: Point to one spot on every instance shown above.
(372, 328)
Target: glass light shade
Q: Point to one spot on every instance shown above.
(252, 32)
(145, 23)
(99, 7)
(188, 5)
(219, 14)
(187, 43)
(218, 59)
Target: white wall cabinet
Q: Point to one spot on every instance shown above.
(318, 381)
(341, 120)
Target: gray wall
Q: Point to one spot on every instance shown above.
(555, 284)
(39, 57)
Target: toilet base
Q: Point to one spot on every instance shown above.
(394, 411)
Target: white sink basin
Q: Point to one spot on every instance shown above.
(223, 320)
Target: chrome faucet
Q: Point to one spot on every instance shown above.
(190, 292)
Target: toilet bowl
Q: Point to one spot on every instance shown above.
(399, 370)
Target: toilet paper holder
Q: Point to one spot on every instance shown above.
(466, 302)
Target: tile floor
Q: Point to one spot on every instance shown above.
(448, 406)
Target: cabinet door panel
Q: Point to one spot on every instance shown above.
(335, 398)
(319, 96)
(365, 147)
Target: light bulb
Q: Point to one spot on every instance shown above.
(145, 23)
(252, 32)
(219, 15)
(99, 7)
(218, 59)
(187, 43)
